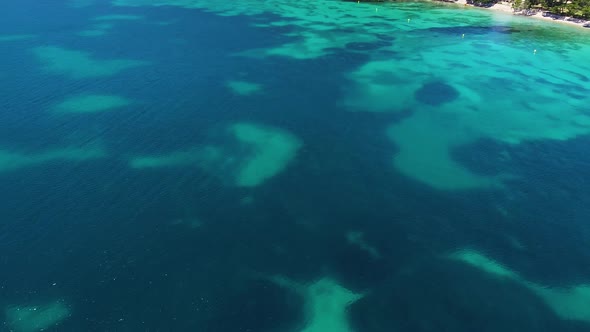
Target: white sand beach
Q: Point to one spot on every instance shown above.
(539, 14)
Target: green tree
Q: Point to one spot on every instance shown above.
(579, 8)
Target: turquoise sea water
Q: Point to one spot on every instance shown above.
(291, 166)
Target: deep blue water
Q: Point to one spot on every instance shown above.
(102, 236)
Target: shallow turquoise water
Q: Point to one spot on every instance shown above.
(196, 165)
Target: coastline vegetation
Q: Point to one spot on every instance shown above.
(579, 9)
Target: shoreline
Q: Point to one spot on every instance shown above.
(506, 7)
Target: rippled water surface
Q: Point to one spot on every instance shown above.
(291, 166)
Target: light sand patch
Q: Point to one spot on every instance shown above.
(271, 151)
(96, 30)
(310, 44)
(260, 153)
(92, 33)
(35, 318)
(427, 138)
(80, 65)
(11, 160)
(244, 88)
(189, 157)
(118, 17)
(15, 38)
(313, 44)
(326, 304)
(358, 239)
(483, 263)
(164, 23)
(381, 86)
(425, 145)
(568, 303)
(105, 24)
(91, 104)
(572, 303)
